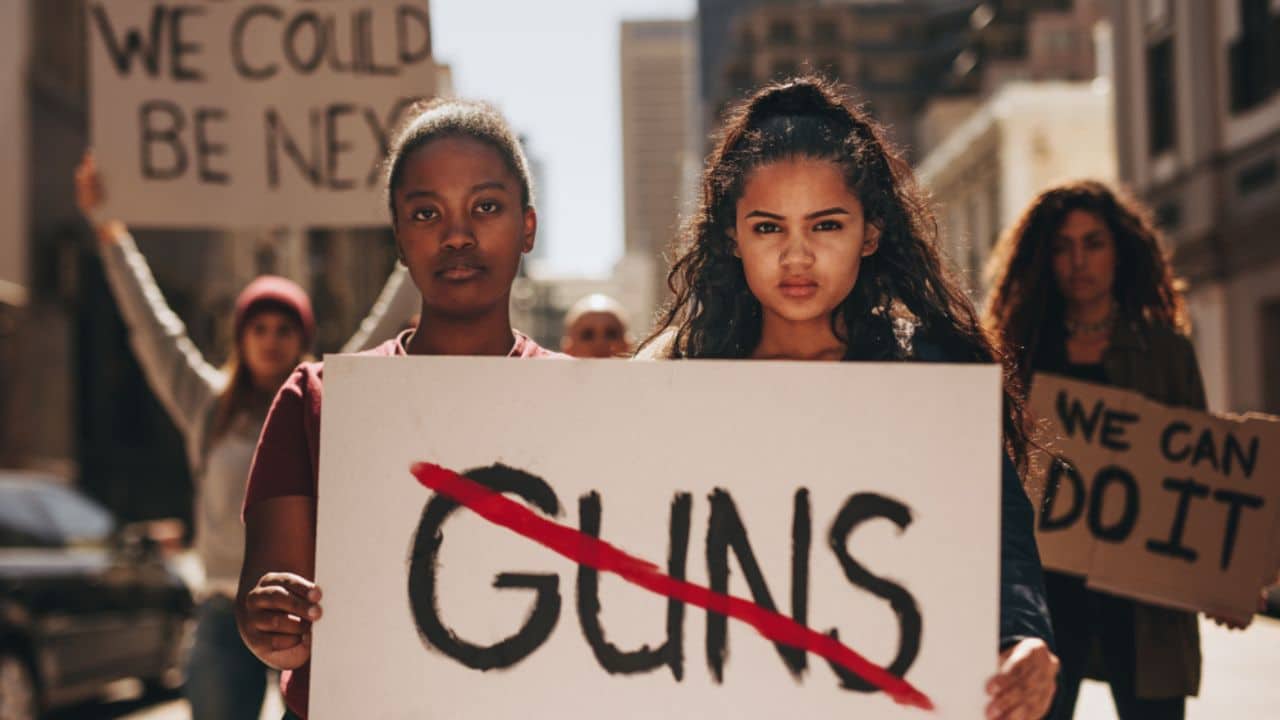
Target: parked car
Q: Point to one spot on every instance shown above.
(83, 601)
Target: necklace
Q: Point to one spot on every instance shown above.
(1075, 328)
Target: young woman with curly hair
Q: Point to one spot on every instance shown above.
(1081, 288)
(811, 241)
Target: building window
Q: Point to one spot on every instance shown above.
(784, 68)
(1257, 176)
(826, 33)
(830, 67)
(782, 32)
(1270, 351)
(740, 78)
(1254, 57)
(1169, 216)
(1160, 95)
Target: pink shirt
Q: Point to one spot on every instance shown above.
(287, 461)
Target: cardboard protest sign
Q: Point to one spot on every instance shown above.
(1166, 505)
(245, 113)
(665, 537)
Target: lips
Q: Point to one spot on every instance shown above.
(798, 288)
(460, 270)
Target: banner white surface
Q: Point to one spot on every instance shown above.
(869, 508)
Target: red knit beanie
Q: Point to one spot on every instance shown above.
(273, 289)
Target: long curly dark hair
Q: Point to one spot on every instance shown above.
(1025, 299)
(904, 284)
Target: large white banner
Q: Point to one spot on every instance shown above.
(238, 113)
(852, 509)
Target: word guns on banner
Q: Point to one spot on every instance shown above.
(253, 113)
(655, 555)
(1165, 505)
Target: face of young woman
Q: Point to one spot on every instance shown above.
(1084, 258)
(596, 335)
(801, 235)
(270, 347)
(461, 226)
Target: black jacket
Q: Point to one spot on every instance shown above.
(1023, 610)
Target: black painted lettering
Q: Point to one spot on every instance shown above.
(279, 140)
(179, 49)
(364, 20)
(726, 532)
(382, 135)
(1232, 449)
(304, 63)
(162, 123)
(134, 44)
(612, 659)
(238, 59)
(1166, 441)
(1173, 547)
(1060, 470)
(335, 146)
(1072, 415)
(1205, 450)
(1113, 427)
(408, 16)
(333, 52)
(1235, 501)
(801, 541)
(858, 509)
(423, 566)
(206, 149)
(1119, 530)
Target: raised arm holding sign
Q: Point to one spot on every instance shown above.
(249, 113)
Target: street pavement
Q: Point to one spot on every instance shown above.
(125, 702)
(1239, 682)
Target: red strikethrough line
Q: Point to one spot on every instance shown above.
(595, 553)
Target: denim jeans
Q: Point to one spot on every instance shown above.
(224, 680)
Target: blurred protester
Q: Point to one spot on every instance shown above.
(595, 327)
(1082, 288)
(220, 412)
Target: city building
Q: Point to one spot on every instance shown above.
(895, 55)
(1198, 132)
(1018, 41)
(14, 273)
(1024, 138)
(659, 163)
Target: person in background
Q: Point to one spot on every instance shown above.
(1082, 288)
(220, 412)
(595, 327)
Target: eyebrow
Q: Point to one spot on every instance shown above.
(488, 185)
(810, 216)
(1087, 236)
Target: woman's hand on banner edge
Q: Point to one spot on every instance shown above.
(278, 614)
(1230, 624)
(1023, 687)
